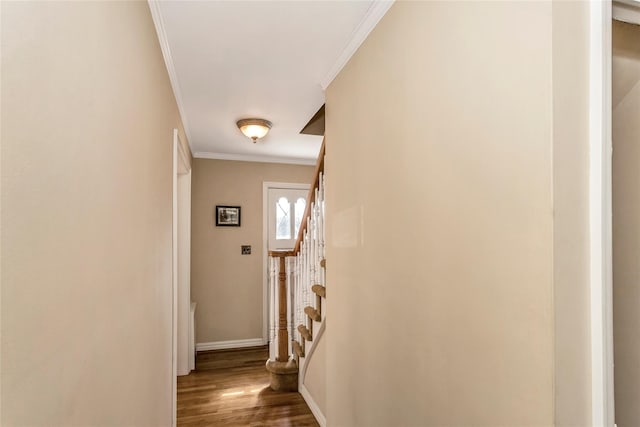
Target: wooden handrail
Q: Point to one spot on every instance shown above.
(281, 254)
(310, 199)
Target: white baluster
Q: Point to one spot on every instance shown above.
(304, 266)
(321, 214)
(276, 310)
(310, 264)
(314, 244)
(271, 354)
(300, 293)
(316, 240)
(298, 298)
(301, 290)
(294, 298)
(295, 304)
(321, 226)
(310, 254)
(273, 345)
(324, 228)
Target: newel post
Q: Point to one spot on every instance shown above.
(283, 334)
(283, 371)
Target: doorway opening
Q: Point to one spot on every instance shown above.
(625, 135)
(183, 359)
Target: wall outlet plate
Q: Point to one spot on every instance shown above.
(246, 249)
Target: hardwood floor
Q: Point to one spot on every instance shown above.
(231, 388)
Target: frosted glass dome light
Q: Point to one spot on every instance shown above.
(254, 128)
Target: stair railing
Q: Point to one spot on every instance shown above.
(308, 262)
(292, 274)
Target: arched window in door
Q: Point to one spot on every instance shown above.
(286, 209)
(283, 219)
(300, 206)
(289, 217)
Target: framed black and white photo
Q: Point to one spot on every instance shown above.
(228, 216)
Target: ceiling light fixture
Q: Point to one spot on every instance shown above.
(254, 128)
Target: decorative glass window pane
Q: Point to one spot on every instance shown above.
(283, 219)
(301, 204)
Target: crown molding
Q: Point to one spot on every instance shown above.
(375, 12)
(253, 158)
(627, 11)
(156, 15)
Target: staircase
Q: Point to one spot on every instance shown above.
(297, 289)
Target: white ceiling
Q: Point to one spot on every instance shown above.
(229, 60)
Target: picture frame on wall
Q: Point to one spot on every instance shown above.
(227, 216)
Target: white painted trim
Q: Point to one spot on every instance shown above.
(375, 13)
(266, 185)
(627, 11)
(184, 158)
(156, 15)
(600, 214)
(315, 409)
(223, 345)
(265, 263)
(174, 283)
(253, 158)
(184, 264)
(192, 336)
(179, 159)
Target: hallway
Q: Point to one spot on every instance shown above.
(231, 388)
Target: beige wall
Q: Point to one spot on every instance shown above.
(571, 291)
(227, 285)
(626, 221)
(315, 379)
(441, 236)
(87, 120)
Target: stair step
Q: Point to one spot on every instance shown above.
(319, 290)
(312, 313)
(297, 349)
(305, 333)
(323, 262)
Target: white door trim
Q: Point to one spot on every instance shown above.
(174, 284)
(600, 214)
(180, 165)
(266, 185)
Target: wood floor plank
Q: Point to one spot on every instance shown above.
(231, 388)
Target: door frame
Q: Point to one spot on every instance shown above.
(602, 13)
(180, 166)
(600, 213)
(266, 186)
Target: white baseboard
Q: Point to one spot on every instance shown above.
(315, 410)
(221, 345)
